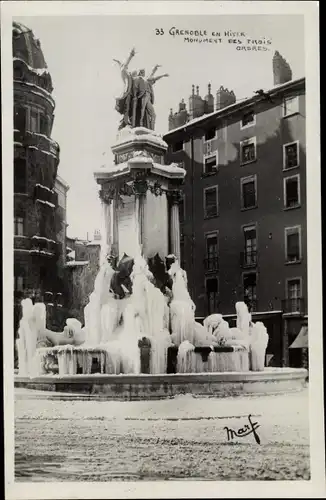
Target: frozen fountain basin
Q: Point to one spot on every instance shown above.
(132, 387)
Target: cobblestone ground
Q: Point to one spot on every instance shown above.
(182, 438)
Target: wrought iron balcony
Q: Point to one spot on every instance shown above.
(248, 258)
(22, 242)
(294, 306)
(43, 246)
(211, 263)
(39, 142)
(46, 195)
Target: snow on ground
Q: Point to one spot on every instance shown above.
(178, 438)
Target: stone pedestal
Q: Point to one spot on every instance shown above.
(143, 194)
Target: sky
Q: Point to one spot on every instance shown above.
(79, 51)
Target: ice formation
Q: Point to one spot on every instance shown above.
(258, 345)
(117, 327)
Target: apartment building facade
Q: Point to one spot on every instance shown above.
(243, 216)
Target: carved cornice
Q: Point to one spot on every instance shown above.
(138, 187)
(124, 157)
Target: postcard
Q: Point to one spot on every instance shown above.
(162, 250)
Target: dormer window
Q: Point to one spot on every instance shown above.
(248, 119)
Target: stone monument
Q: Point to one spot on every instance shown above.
(139, 192)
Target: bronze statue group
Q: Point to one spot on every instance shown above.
(136, 105)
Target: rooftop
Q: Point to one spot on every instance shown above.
(238, 105)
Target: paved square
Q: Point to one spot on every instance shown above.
(181, 438)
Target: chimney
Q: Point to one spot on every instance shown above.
(196, 104)
(171, 120)
(209, 101)
(224, 98)
(281, 69)
(182, 105)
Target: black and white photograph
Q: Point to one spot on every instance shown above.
(162, 250)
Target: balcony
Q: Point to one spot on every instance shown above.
(248, 258)
(37, 141)
(45, 195)
(43, 246)
(22, 242)
(211, 264)
(294, 306)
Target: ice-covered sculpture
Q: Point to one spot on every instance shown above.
(223, 334)
(243, 317)
(182, 308)
(258, 345)
(133, 317)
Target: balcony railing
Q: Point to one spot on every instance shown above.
(22, 243)
(211, 263)
(43, 246)
(43, 193)
(293, 306)
(37, 141)
(248, 258)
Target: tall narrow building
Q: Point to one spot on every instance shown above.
(37, 220)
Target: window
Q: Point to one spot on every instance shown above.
(36, 121)
(210, 134)
(211, 261)
(44, 124)
(211, 201)
(294, 288)
(292, 191)
(20, 178)
(291, 155)
(250, 290)
(248, 151)
(210, 164)
(290, 106)
(294, 300)
(248, 192)
(212, 295)
(19, 226)
(248, 119)
(20, 118)
(293, 244)
(19, 283)
(177, 146)
(19, 277)
(250, 243)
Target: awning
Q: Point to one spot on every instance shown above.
(301, 342)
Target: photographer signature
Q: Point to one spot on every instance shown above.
(244, 431)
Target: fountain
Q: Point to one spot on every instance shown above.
(140, 338)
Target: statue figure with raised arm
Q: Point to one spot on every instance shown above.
(137, 101)
(143, 96)
(124, 103)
